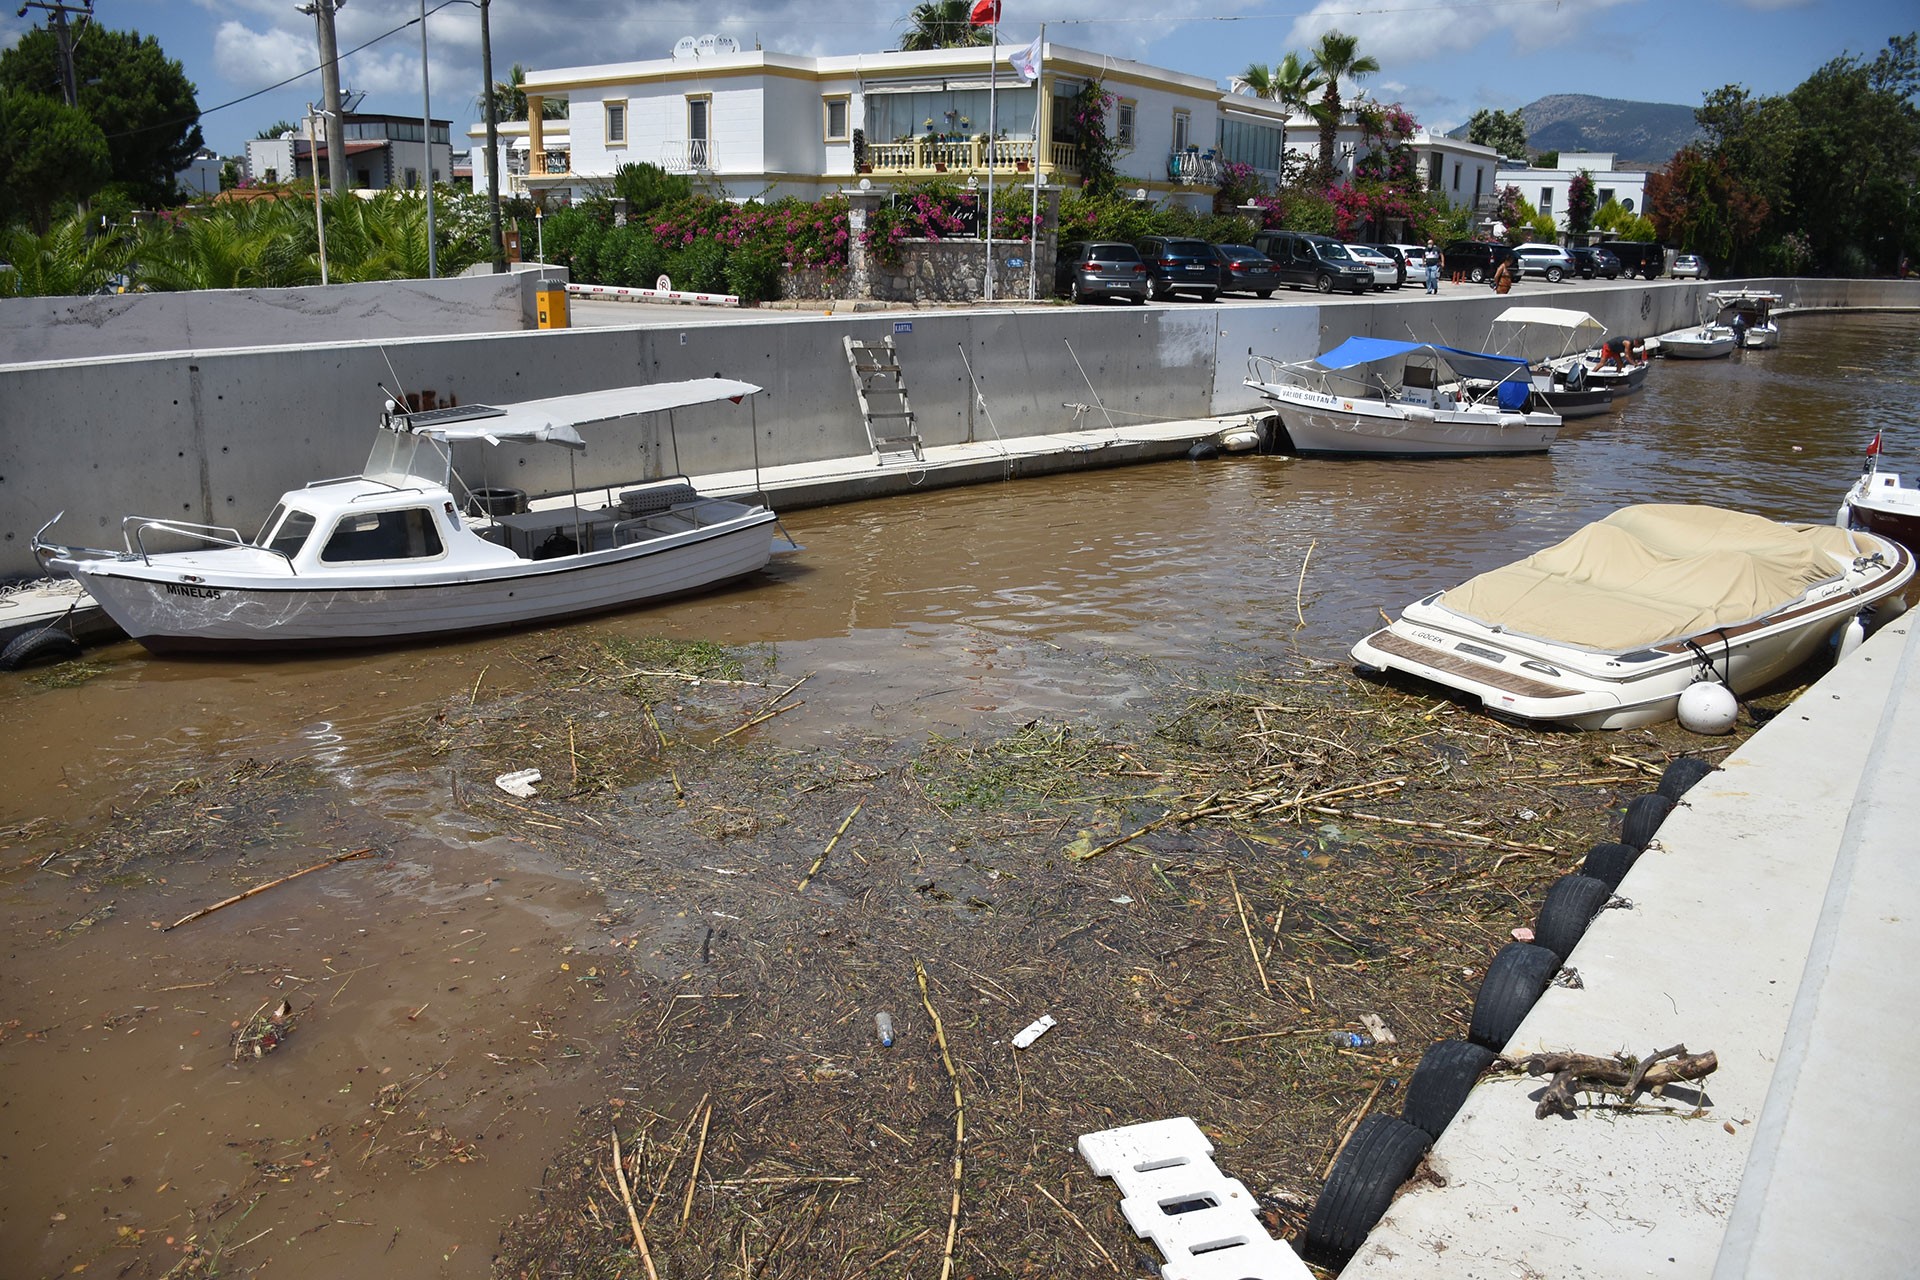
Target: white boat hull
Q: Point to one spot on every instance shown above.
(1529, 679)
(1880, 504)
(158, 602)
(1319, 423)
(1697, 344)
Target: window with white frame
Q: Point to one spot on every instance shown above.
(1182, 129)
(616, 123)
(838, 112)
(1546, 199)
(1123, 117)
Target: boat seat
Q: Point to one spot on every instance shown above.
(1418, 375)
(641, 502)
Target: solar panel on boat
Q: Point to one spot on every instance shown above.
(456, 413)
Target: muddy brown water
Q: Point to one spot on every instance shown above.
(451, 994)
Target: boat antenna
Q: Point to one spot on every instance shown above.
(396, 378)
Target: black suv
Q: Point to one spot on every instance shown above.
(1476, 259)
(1176, 264)
(1088, 269)
(1594, 261)
(1310, 261)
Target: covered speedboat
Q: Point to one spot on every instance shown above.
(1383, 398)
(405, 551)
(1748, 314)
(1606, 629)
(1880, 504)
(1552, 341)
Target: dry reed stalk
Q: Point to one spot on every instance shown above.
(262, 888)
(763, 716)
(1352, 1125)
(821, 861)
(693, 1177)
(626, 1197)
(1253, 948)
(1468, 836)
(959, 1120)
(1074, 1218)
(1205, 807)
(1301, 586)
(661, 1186)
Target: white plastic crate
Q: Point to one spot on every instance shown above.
(1205, 1223)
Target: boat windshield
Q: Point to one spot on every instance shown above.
(401, 457)
(285, 531)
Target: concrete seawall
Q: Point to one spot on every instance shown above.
(216, 433)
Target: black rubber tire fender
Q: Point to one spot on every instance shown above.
(1514, 981)
(1571, 904)
(1680, 774)
(1609, 863)
(1377, 1161)
(1447, 1072)
(32, 648)
(1643, 818)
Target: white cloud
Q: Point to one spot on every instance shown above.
(263, 57)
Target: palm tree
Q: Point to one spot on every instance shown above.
(510, 99)
(1333, 59)
(1290, 84)
(943, 24)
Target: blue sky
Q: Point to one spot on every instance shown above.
(1442, 60)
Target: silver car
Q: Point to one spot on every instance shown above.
(1386, 273)
(1546, 260)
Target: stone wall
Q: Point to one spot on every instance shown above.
(934, 270)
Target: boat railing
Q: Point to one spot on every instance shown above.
(682, 518)
(134, 530)
(1305, 373)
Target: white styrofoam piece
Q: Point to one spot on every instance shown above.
(1166, 1164)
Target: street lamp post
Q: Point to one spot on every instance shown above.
(426, 134)
(319, 220)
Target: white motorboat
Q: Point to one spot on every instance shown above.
(1606, 629)
(1749, 314)
(1551, 340)
(1880, 504)
(1382, 398)
(405, 551)
(1704, 342)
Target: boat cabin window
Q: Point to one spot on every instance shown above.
(408, 534)
(286, 531)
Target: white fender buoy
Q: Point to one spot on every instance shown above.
(1708, 707)
(1850, 636)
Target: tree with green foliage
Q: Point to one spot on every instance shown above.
(1701, 205)
(510, 99)
(68, 258)
(278, 129)
(1292, 84)
(1337, 56)
(1857, 158)
(942, 24)
(1613, 218)
(646, 187)
(140, 99)
(51, 155)
(1504, 131)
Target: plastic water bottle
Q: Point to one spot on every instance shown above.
(883, 1023)
(1351, 1039)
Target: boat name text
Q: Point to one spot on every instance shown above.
(198, 593)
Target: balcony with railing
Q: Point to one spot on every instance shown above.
(924, 157)
(692, 156)
(1193, 168)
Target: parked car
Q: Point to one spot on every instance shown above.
(1414, 255)
(1313, 261)
(1386, 275)
(1476, 259)
(1090, 269)
(1691, 265)
(1177, 264)
(1399, 259)
(1639, 257)
(1244, 269)
(1594, 261)
(1549, 261)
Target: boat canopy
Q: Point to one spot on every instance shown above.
(554, 420)
(1653, 573)
(1542, 333)
(1473, 364)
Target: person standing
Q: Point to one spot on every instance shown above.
(1433, 267)
(1503, 275)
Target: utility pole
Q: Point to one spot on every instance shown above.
(426, 128)
(335, 119)
(64, 34)
(493, 141)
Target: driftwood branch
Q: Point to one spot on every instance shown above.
(1621, 1075)
(262, 888)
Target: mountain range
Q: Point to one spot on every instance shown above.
(1640, 134)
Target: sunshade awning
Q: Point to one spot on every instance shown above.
(553, 420)
(1472, 364)
(1540, 333)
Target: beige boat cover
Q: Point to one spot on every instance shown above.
(1656, 572)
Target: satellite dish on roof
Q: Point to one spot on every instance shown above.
(725, 44)
(708, 45)
(685, 47)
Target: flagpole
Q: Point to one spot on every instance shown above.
(993, 81)
(1033, 170)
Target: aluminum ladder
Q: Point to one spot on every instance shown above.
(882, 391)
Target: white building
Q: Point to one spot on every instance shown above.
(1546, 189)
(763, 125)
(381, 151)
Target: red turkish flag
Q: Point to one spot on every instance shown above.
(986, 13)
